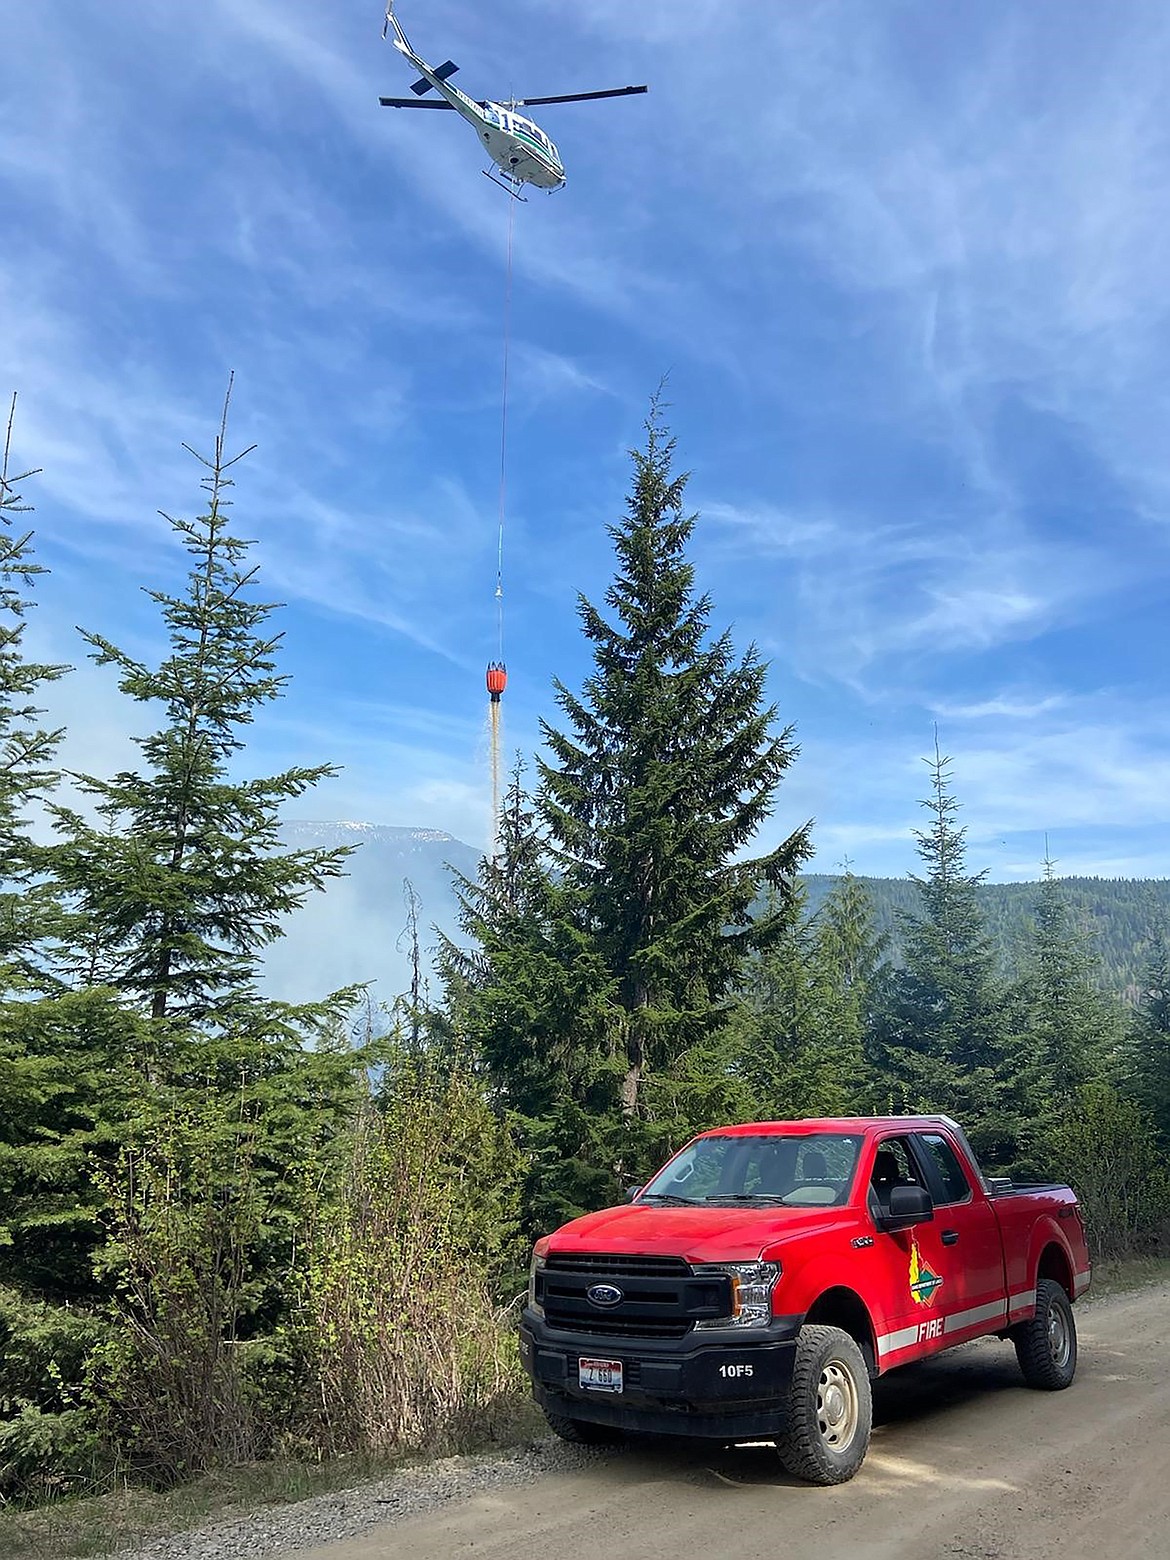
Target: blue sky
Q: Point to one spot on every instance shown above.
(904, 263)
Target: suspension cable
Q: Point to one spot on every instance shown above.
(504, 434)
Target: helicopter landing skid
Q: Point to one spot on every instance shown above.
(508, 189)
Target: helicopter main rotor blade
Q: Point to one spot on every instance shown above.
(580, 97)
(413, 103)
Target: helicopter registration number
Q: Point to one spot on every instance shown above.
(600, 1375)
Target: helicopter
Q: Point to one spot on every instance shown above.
(518, 147)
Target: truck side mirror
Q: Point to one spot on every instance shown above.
(908, 1205)
(632, 1192)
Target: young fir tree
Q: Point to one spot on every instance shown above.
(808, 993)
(61, 1082)
(528, 995)
(1063, 1031)
(27, 749)
(668, 769)
(174, 910)
(937, 1041)
(52, 1066)
(854, 950)
(185, 884)
(1148, 1042)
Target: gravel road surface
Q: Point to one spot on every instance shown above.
(965, 1464)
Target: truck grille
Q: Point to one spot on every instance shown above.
(618, 1267)
(661, 1297)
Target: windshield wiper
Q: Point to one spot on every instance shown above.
(670, 1197)
(749, 1197)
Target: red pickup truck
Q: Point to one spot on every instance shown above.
(753, 1288)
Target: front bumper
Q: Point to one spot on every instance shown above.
(728, 1385)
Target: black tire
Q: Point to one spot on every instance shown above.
(1046, 1346)
(830, 1408)
(582, 1432)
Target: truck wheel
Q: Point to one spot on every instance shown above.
(830, 1408)
(581, 1432)
(1046, 1347)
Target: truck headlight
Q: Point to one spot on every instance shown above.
(752, 1284)
(537, 1266)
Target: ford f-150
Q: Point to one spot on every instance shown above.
(756, 1285)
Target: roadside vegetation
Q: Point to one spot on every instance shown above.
(239, 1234)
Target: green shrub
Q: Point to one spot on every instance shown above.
(1107, 1148)
(50, 1443)
(410, 1348)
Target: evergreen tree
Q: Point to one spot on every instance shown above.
(63, 1078)
(528, 995)
(937, 1042)
(802, 1049)
(854, 950)
(1148, 1048)
(58, 1070)
(27, 749)
(667, 771)
(69, 1086)
(1063, 1032)
(184, 885)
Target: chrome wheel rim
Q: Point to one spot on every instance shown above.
(837, 1406)
(1059, 1336)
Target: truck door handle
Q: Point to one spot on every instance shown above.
(950, 1237)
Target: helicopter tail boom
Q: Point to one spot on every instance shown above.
(401, 41)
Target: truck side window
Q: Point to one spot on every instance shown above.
(893, 1166)
(950, 1172)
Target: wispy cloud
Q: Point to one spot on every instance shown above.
(1004, 706)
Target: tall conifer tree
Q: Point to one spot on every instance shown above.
(807, 994)
(528, 995)
(27, 749)
(1148, 1048)
(938, 1040)
(1063, 1033)
(185, 884)
(852, 945)
(60, 1053)
(668, 768)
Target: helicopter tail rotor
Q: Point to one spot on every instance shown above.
(401, 41)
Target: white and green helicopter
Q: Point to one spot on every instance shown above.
(518, 147)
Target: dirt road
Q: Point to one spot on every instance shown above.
(965, 1464)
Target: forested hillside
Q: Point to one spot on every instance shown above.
(1117, 916)
(355, 928)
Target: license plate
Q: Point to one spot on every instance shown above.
(600, 1375)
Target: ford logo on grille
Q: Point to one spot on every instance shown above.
(604, 1295)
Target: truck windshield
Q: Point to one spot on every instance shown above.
(798, 1169)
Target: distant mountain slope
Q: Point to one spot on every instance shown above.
(1116, 914)
(353, 931)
